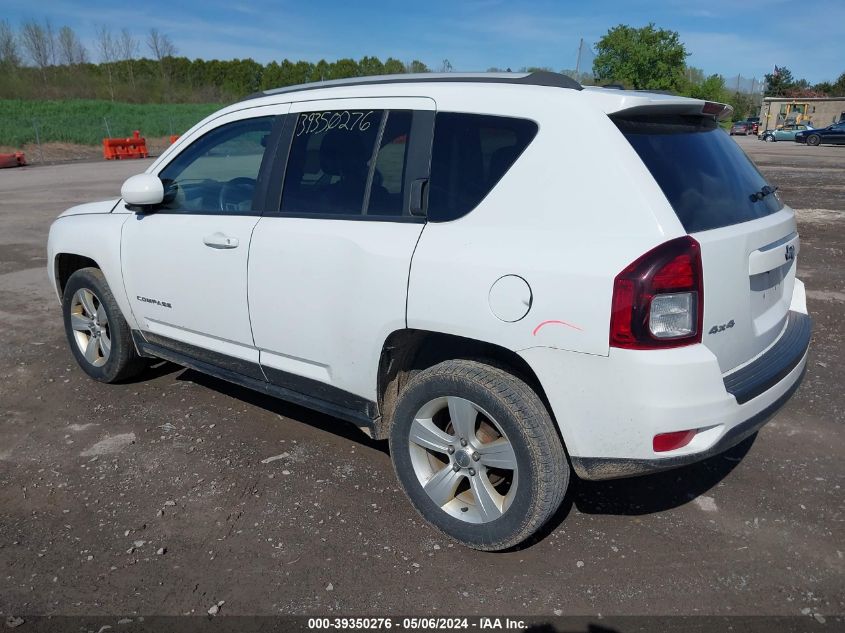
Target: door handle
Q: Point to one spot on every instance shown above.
(418, 197)
(219, 240)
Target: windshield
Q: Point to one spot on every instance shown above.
(707, 178)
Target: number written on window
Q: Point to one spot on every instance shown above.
(319, 122)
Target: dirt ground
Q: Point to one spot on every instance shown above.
(152, 497)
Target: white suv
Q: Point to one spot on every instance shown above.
(506, 275)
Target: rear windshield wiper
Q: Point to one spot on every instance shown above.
(765, 191)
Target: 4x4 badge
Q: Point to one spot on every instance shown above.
(721, 328)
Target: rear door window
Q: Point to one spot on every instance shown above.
(470, 154)
(329, 162)
(707, 178)
(387, 190)
(345, 163)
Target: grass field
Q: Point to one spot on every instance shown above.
(87, 122)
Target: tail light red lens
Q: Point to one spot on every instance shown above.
(672, 272)
(670, 441)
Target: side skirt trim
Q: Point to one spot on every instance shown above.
(358, 411)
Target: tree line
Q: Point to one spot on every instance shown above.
(39, 61)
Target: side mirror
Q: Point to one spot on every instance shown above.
(143, 190)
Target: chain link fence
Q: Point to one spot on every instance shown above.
(745, 85)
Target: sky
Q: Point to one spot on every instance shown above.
(722, 37)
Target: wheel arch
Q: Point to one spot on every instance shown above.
(408, 351)
(89, 240)
(65, 264)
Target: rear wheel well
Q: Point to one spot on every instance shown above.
(406, 352)
(69, 263)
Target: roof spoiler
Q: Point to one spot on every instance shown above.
(693, 107)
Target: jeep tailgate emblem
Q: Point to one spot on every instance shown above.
(790, 252)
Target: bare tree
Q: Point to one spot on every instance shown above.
(128, 48)
(39, 42)
(162, 47)
(108, 53)
(446, 66)
(9, 56)
(71, 50)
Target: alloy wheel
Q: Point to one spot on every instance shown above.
(90, 325)
(463, 459)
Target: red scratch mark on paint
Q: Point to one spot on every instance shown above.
(556, 322)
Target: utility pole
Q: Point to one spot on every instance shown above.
(578, 61)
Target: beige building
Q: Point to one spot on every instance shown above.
(817, 111)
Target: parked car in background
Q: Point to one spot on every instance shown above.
(832, 134)
(785, 133)
(755, 123)
(741, 127)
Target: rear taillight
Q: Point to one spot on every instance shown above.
(658, 300)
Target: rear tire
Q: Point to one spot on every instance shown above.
(98, 335)
(477, 453)
(814, 140)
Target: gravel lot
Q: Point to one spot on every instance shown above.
(152, 497)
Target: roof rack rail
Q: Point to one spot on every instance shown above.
(538, 78)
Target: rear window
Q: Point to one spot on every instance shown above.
(470, 154)
(706, 177)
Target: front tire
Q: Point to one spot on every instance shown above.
(96, 331)
(814, 140)
(769, 138)
(477, 453)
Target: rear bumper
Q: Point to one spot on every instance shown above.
(610, 408)
(609, 468)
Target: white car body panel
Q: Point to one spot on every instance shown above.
(91, 208)
(321, 291)
(201, 291)
(553, 222)
(97, 237)
(326, 317)
(758, 302)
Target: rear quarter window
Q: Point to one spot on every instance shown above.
(707, 178)
(470, 154)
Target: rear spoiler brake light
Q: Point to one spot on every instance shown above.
(720, 110)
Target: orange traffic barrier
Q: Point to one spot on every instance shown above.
(120, 148)
(174, 138)
(12, 160)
